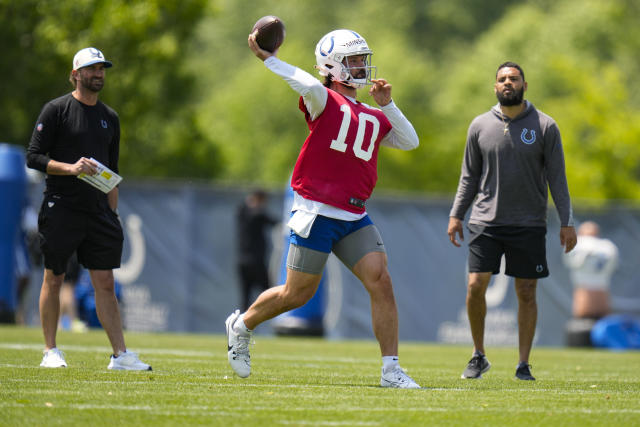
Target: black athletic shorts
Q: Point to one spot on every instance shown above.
(524, 249)
(96, 237)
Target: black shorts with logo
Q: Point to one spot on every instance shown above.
(96, 237)
(524, 249)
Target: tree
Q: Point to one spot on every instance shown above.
(195, 102)
(149, 85)
(579, 62)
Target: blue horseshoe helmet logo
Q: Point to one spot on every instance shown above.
(530, 140)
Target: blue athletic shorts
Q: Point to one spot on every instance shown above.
(326, 232)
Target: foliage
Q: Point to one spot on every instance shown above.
(195, 102)
(573, 56)
(268, 136)
(441, 58)
(148, 85)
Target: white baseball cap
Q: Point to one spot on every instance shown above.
(89, 56)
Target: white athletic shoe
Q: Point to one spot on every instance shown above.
(53, 358)
(397, 378)
(127, 361)
(238, 348)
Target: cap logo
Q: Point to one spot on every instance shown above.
(95, 53)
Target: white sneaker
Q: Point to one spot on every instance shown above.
(53, 358)
(396, 378)
(238, 348)
(127, 361)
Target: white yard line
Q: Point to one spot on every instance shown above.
(186, 353)
(213, 409)
(244, 384)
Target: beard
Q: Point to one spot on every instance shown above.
(93, 84)
(515, 98)
(358, 73)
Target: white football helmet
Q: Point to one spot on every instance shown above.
(332, 51)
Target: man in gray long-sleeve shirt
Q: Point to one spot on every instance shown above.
(513, 154)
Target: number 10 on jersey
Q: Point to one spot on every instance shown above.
(340, 144)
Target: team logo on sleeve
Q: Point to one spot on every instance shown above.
(39, 127)
(528, 136)
(103, 123)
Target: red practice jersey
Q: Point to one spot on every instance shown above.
(338, 163)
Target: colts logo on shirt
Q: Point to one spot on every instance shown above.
(528, 136)
(103, 123)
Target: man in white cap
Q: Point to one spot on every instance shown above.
(71, 134)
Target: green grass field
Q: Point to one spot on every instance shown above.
(298, 381)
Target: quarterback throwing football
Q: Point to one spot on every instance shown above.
(334, 176)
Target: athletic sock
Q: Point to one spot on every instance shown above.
(240, 327)
(389, 362)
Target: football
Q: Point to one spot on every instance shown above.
(270, 32)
